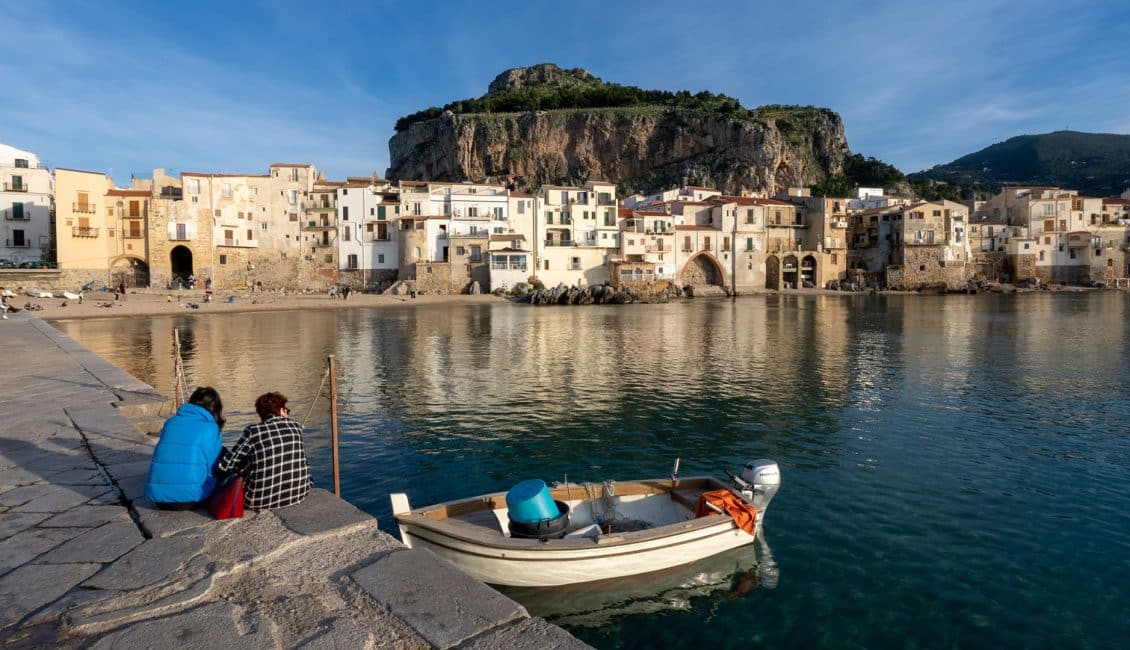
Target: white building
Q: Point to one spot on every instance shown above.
(26, 201)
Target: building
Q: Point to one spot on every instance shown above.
(27, 199)
(933, 250)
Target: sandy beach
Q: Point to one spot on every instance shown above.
(154, 302)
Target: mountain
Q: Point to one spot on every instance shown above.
(548, 125)
(1096, 164)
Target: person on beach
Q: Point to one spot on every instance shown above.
(181, 471)
(271, 457)
(4, 302)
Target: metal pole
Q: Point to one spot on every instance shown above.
(333, 425)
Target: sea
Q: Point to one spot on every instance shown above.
(955, 469)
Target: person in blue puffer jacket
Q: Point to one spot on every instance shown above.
(180, 474)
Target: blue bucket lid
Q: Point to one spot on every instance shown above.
(525, 490)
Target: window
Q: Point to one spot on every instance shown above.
(381, 258)
(575, 263)
(521, 207)
(546, 265)
(473, 211)
(250, 235)
(937, 213)
(476, 253)
(263, 226)
(226, 190)
(294, 216)
(459, 250)
(21, 163)
(135, 208)
(345, 235)
(749, 243)
(498, 214)
(345, 212)
(351, 261)
(1072, 253)
(1041, 256)
(294, 175)
(706, 244)
(749, 216)
(381, 212)
(329, 258)
(292, 196)
(777, 217)
(725, 243)
(416, 252)
(687, 244)
(549, 217)
(223, 259)
(17, 210)
(608, 219)
(382, 231)
(216, 212)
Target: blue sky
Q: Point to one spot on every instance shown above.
(124, 87)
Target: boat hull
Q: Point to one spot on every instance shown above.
(548, 568)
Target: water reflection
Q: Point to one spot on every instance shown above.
(699, 587)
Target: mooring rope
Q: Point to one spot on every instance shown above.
(314, 400)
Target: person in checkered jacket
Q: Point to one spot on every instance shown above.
(270, 457)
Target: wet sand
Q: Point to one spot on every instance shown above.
(154, 302)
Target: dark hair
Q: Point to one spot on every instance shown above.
(207, 398)
(268, 404)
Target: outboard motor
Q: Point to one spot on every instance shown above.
(762, 479)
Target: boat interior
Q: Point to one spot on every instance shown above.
(598, 512)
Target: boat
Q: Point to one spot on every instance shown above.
(614, 529)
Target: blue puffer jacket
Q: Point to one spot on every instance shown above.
(181, 470)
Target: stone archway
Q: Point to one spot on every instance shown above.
(808, 272)
(130, 271)
(772, 272)
(702, 269)
(790, 272)
(180, 264)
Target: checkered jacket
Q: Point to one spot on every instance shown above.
(272, 460)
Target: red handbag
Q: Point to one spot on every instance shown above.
(227, 501)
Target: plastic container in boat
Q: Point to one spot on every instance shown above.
(554, 528)
(530, 502)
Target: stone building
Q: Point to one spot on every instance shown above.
(933, 251)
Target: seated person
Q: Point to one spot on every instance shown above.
(180, 473)
(270, 457)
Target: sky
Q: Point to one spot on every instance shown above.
(125, 87)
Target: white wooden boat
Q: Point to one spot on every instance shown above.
(641, 526)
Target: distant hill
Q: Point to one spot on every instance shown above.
(1096, 164)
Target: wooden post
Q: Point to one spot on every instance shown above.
(333, 425)
(177, 395)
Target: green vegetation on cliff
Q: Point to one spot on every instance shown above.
(576, 89)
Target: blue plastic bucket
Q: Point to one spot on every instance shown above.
(530, 502)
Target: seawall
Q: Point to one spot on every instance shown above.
(85, 561)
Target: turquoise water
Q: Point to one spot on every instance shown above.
(955, 468)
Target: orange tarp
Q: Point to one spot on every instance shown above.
(745, 515)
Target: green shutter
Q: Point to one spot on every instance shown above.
(381, 212)
(17, 210)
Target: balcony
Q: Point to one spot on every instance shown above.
(559, 242)
(81, 231)
(316, 225)
(473, 232)
(22, 244)
(132, 235)
(83, 207)
(10, 215)
(15, 187)
(839, 223)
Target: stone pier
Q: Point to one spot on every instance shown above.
(86, 562)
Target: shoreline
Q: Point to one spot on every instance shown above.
(144, 303)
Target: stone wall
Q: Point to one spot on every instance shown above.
(433, 278)
(925, 267)
(1022, 267)
(376, 280)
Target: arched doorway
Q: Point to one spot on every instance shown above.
(702, 269)
(130, 271)
(808, 271)
(772, 272)
(180, 264)
(789, 272)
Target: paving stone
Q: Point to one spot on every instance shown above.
(13, 475)
(409, 584)
(189, 588)
(12, 523)
(531, 633)
(124, 471)
(86, 517)
(338, 634)
(78, 477)
(130, 454)
(320, 512)
(44, 497)
(164, 523)
(51, 581)
(150, 562)
(29, 544)
(216, 625)
(103, 544)
(131, 487)
(74, 599)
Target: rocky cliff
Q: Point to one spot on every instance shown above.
(710, 142)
